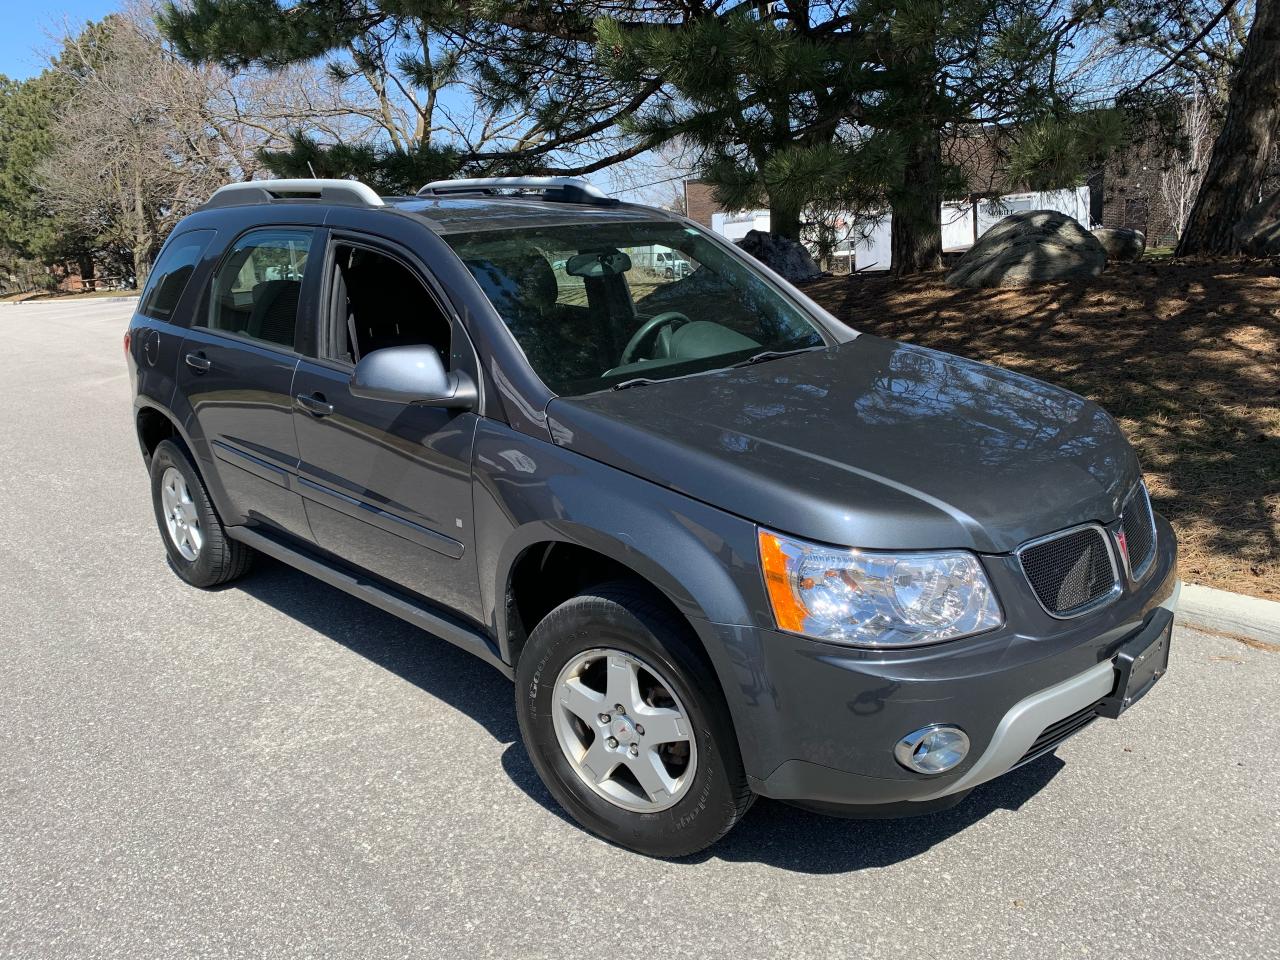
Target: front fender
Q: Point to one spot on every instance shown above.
(529, 491)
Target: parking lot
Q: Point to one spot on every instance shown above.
(275, 769)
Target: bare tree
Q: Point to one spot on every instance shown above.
(145, 137)
(1180, 179)
(131, 154)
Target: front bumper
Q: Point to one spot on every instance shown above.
(1024, 722)
(817, 723)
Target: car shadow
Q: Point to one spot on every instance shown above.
(772, 833)
(436, 666)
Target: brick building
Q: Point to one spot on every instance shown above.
(699, 203)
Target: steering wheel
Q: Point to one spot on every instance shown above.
(652, 325)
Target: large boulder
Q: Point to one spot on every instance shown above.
(1258, 231)
(1030, 247)
(1121, 243)
(787, 257)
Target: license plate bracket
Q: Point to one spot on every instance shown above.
(1140, 663)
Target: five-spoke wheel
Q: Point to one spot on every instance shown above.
(197, 543)
(624, 730)
(625, 723)
(181, 518)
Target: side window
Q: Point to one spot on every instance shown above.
(379, 302)
(571, 291)
(258, 284)
(172, 272)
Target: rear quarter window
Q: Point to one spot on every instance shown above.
(172, 272)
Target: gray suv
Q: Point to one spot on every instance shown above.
(725, 545)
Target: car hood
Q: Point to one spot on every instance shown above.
(870, 443)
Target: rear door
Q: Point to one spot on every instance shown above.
(387, 486)
(237, 366)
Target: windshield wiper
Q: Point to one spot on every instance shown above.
(634, 382)
(764, 355)
(760, 357)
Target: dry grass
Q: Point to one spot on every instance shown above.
(1185, 355)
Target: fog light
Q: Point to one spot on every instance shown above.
(933, 749)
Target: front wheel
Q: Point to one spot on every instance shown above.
(625, 724)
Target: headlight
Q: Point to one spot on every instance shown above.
(876, 599)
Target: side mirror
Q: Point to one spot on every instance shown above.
(412, 375)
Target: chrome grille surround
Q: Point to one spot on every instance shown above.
(1052, 567)
(1139, 525)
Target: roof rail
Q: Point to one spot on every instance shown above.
(556, 189)
(265, 191)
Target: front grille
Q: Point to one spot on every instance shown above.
(1139, 531)
(1071, 571)
(1056, 733)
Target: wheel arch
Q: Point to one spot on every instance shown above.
(545, 564)
(154, 423)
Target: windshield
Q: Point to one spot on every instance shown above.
(598, 305)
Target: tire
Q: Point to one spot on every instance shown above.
(216, 558)
(623, 624)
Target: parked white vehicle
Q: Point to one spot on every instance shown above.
(662, 261)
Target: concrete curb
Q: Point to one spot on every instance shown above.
(1230, 612)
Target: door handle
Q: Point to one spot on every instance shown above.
(198, 362)
(315, 404)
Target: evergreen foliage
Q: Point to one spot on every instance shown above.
(29, 229)
(812, 105)
(522, 73)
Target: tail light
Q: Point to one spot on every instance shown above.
(128, 334)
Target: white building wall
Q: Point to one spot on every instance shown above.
(957, 226)
(735, 226)
(875, 251)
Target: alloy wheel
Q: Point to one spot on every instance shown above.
(181, 518)
(624, 730)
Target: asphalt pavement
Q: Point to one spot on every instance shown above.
(274, 769)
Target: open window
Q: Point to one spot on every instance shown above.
(377, 301)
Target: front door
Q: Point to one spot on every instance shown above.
(236, 369)
(387, 486)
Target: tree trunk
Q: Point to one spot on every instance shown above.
(84, 263)
(916, 231)
(141, 266)
(143, 237)
(1238, 164)
(784, 221)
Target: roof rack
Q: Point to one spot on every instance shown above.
(555, 189)
(265, 191)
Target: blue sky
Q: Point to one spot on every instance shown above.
(26, 25)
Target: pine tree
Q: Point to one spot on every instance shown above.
(524, 73)
(787, 104)
(803, 106)
(28, 228)
(1243, 150)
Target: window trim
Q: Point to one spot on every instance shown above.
(306, 299)
(461, 347)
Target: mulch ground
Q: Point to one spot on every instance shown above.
(1184, 354)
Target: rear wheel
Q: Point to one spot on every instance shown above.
(197, 543)
(624, 721)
